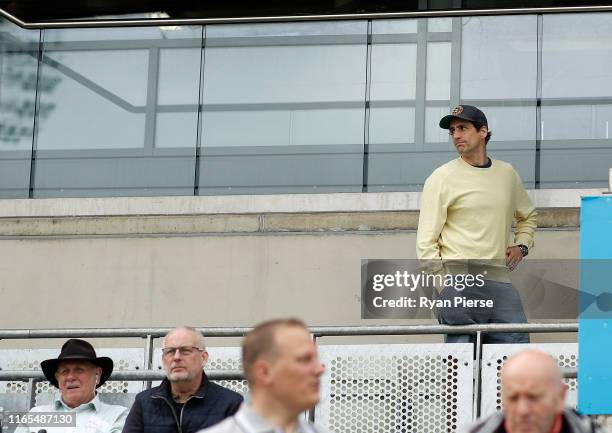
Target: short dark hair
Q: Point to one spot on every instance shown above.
(260, 342)
(478, 125)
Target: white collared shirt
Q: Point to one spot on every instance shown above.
(247, 420)
(92, 417)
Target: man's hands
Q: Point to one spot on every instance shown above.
(514, 255)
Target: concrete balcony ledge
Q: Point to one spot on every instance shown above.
(253, 204)
(320, 222)
(311, 213)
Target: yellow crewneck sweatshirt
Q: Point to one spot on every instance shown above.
(467, 212)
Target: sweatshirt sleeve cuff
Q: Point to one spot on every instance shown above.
(524, 240)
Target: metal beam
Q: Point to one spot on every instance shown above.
(33, 376)
(291, 18)
(319, 331)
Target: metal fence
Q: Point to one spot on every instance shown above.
(367, 388)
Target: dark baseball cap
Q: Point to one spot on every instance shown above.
(464, 112)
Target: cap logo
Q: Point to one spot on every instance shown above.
(457, 110)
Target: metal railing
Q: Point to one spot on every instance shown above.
(318, 331)
(34, 377)
(155, 22)
(148, 375)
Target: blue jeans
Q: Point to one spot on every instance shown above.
(507, 308)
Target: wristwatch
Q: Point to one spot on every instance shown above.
(524, 249)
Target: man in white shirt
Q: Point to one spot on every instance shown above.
(282, 366)
(78, 372)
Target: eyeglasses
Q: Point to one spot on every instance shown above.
(183, 350)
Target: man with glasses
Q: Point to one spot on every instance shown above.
(468, 207)
(186, 401)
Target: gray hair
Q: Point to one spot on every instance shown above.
(198, 334)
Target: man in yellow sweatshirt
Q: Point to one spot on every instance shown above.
(468, 207)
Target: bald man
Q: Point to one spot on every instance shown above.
(186, 401)
(533, 395)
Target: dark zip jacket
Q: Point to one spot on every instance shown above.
(154, 411)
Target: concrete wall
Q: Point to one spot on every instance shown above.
(134, 270)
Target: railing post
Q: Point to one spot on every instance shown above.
(31, 392)
(477, 371)
(311, 412)
(148, 361)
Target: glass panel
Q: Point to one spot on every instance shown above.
(284, 104)
(109, 89)
(401, 157)
(438, 88)
(575, 122)
(18, 69)
(435, 25)
(398, 28)
(283, 108)
(491, 49)
(576, 100)
(433, 132)
(123, 34)
(393, 73)
(393, 88)
(83, 80)
(438, 70)
(391, 125)
(571, 42)
(513, 138)
(499, 57)
(177, 117)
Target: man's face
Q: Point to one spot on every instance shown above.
(466, 138)
(186, 363)
(531, 401)
(77, 381)
(295, 372)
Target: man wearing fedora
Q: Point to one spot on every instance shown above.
(186, 401)
(468, 207)
(78, 372)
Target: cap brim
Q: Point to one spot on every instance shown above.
(49, 367)
(446, 121)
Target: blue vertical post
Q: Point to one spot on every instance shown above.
(595, 320)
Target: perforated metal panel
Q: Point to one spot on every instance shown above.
(396, 388)
(29, 359)
(494, 355)
(220, 358)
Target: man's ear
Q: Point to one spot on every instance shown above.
(483, 131)
(261, 371)
(98, 374)
(204, 359)
(562, 395)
